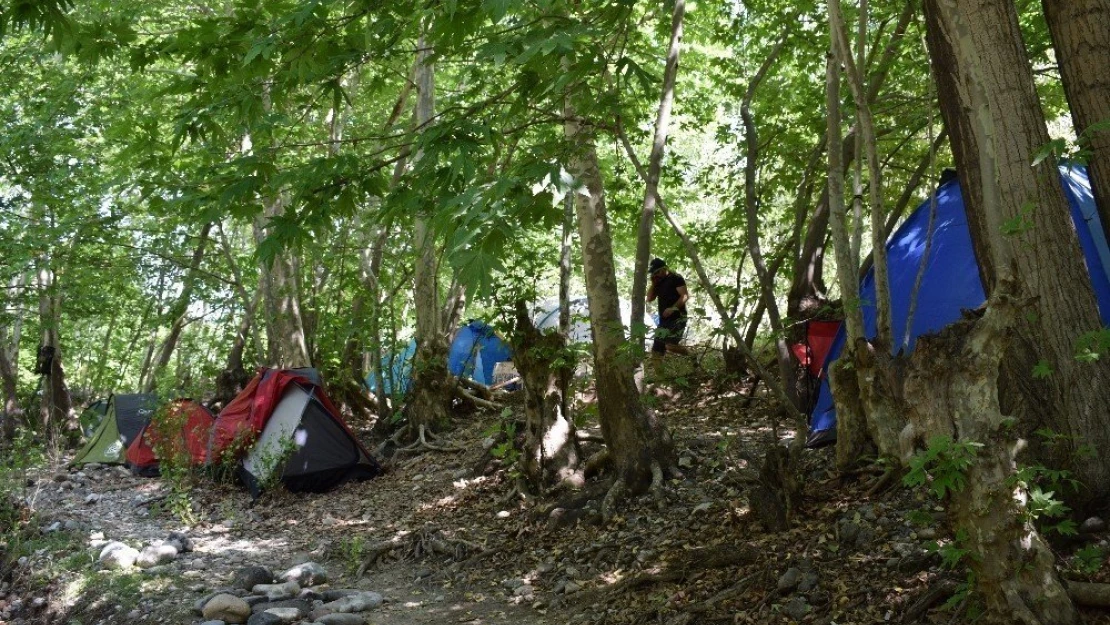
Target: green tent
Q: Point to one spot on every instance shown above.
(125, 418)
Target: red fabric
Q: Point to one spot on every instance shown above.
(193, 437)
(819, 339)
(242, 420)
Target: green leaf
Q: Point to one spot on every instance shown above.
(1042, 370)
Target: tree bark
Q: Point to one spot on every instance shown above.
(178, 311)
(10, 338)
(654, 168)
(551, 450)
(751, 205)
(55, 411)
(431, 391)
(951, 392)
(1081, 38)
(639, 444)
(997, 125)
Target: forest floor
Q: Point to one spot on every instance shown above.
(456, 545)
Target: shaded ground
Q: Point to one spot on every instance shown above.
(456, 547)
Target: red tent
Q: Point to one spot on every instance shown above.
(819, 338)
(286, 414)
(190, 440)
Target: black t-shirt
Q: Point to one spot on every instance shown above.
(666, 290)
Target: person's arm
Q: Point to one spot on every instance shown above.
(683, 297)
(651, 291)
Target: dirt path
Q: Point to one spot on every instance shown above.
(83, 511)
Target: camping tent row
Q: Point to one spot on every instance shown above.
(280, 427)
(951, 282)
(476, 349)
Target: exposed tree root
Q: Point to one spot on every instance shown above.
(416, 545)
(656, 488)
(691, 564)
(596, 463)
(884, 482)
(609, 503)
(422, 443)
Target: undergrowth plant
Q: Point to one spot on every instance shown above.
(166, 435)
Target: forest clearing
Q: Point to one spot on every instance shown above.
(335, 312)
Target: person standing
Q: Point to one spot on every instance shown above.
(670, 289)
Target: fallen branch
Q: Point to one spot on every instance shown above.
(689, 563)
(933, 596)
(1090, 595)
(501, 385)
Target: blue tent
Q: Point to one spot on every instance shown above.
(474, 352)
(951, 282)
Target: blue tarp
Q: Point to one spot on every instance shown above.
(951, 282)
(473, 354)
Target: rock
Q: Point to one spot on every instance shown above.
(926, 533)
(796, 608)
(339, 593)
(154, 555)
(213, 623)
(251, 576)
(61, 477)
(92, 498)
(363, 601)
(808, 583)
(52, 528)
(227, 608)
(265, 618)
(513, 583)
(341, 619)
(301, 606)
(523, 591)
(685, 461)
(307, 574)
(286, 615)
(253, 600)
(1093, 525)
(71, 526)
(790, 579)
(570, 588)
(848, 532)
(277, 592)
(116, 555)
(183, 543)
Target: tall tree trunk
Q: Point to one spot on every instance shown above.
(640, 446)
(234, 377)
(55, 411)
(807, 290)
(10, 338)
(1081, 33)
(997, 125)
(285, 330)
(430, 378)
(654, 168)
(178, 311)
(751, 205)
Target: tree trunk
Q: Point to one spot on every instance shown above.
(654, 168)
(807, 290)
(1081, 33)
(997, 125)
(285, 333)
(639, 444)
(55, 411)
(551, 451)
(751, 204)
(234, 377)
(951, 392)
(431, 391)
(178, 311)
(9, 383)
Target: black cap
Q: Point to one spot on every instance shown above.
(655, 265)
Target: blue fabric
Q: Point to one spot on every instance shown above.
(474, 353)
(951, 282)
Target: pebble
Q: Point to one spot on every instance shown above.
(306, 574)
(227, 608)
(341, 619)
(790, 579)
(251, 576)
(796, 608)
(153, 555)
(277, 592)
(116, 555)
(266, 618)
(1093, 525)
(363, 601)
